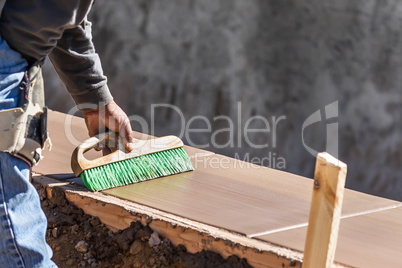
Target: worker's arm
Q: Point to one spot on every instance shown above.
(79, 66)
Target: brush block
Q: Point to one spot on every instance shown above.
(141, 147)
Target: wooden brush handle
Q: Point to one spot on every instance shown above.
(142, 147)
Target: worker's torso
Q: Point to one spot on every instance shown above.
(33, 27)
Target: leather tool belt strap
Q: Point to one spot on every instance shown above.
(23, 130)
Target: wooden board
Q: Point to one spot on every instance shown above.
(56, 163)
(368, 240)
(325, 212)
(237, 196)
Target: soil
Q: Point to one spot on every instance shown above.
(80, 240)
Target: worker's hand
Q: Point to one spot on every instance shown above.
(110, 116)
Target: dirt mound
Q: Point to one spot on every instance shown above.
(80, 240)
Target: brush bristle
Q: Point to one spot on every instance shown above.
(137, 169)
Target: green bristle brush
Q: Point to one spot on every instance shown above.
(150, 159)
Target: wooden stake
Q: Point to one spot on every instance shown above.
(325, 212)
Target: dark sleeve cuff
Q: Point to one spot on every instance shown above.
(93, 99)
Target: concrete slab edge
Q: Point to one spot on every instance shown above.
(118, 214)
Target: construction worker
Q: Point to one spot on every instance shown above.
(31, 30)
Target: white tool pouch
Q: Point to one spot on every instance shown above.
(23, 129)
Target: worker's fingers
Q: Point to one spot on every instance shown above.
(125, 132)
(92, 122)
(100, 147)
(106, 150)
(117, 120)
(110, 117)
(94, 126)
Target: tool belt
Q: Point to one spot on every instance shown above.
(24, 129)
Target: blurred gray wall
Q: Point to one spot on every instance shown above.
(277, 58)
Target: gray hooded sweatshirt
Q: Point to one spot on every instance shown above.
(58, 29)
